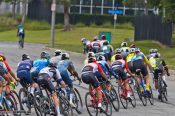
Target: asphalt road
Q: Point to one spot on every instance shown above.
(13, 54)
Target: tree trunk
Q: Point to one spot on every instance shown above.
(14, 8)
(66, 19)
(24, 6)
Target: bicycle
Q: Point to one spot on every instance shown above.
(44, 104)
(26, 99)
(123, 94)
(162, 88)
(141, 90)
(113, 96)
(9, 101)
(92, 102)
(77, 101)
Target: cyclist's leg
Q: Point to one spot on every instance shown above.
(146, 76)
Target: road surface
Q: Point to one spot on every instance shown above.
(13, 54)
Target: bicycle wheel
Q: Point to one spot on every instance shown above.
(114, 99)
(106, 105)
(15, 98)
(151, 97)
(24, 101)
(91, 106)
(65, 107)
(122, 97)
(78, 101)
(165, 93)
(141, 95)
(133, 99)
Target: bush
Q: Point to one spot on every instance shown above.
(125, 26)
(36, 25)
(80, 25)
(7, 23)
(58, 26)
(107, 25)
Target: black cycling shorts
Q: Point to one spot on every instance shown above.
(156, 73)
(121, 73)
(90, 78)
(139, 64)
(45, 81)
(130, 65)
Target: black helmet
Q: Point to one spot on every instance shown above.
(45, 55)
(105, 43)
(25, 57)
(101, 58)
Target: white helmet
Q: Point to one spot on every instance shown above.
(90, 54)
(58, 52)
(132, 50)
(65, 56)
(53, 62)
(124, 44)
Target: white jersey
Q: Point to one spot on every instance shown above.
(51, 71)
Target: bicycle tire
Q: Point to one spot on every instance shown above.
(151, 98)
(107, 103)
(133, 99)
(114, 96)
(93, 105)
(122, 97)
(20, 99)
(65, 107)
(37, 99)
(15, 101)
(78, 99)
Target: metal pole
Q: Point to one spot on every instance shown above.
(91, 6)
(113, 4)
(53, 9)
(102, 3)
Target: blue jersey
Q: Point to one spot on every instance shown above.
(40, 64)
(20, 29)
(63, 65)
(138, 57)
(25, 65)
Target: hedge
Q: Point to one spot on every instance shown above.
(88, 19)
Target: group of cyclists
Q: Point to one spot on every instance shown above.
(102, 63)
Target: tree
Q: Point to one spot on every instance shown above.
(67, 4)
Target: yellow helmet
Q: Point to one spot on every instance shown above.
(1, 58)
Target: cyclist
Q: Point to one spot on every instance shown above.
(21, 34)
(159, 65)
(96, 46)
(129, 58)
(44, 78)
(117, 51)
(58, 54)
(23, 72)
(151, 53)
(10, 72)
(39, 64)
(119, 66)
(64, 66)
(84, 41)
(88, 75)
(124, 50)
(141, 62)
(90, 54)
(107, 50)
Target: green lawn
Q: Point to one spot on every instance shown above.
(71, 40)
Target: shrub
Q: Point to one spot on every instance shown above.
(36, 25)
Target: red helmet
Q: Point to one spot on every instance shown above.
(103, 37)
(132, 46)
(118, 57)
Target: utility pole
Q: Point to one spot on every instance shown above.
(53, 9)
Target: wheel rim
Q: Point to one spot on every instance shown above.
(106, 104)
(115, 99)
(78, 101)
(122, 97)
(91, 107)
(133, 100)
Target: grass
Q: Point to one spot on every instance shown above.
(71, 40)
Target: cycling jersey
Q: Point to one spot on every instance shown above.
(96, 46)
(40, 64)
(25, 65)
(141, 57)
(3, 70)
(63, 67)
(157, 63)
(129, 57)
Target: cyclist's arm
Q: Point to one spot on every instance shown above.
(147, 62)
(109, 69)
(58, 78)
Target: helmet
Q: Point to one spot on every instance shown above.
(43, 54)
(65, 56)
(137, 50)
(95, 38)
(103, 37)
(124, 44)
(2, 56)
(151, 51)
(105, 42)
(118, 57)
(25, 57)
(132, 50)
(91, 54)
(57, 52)
(83, 39)
(53, 62)
(91, 59)
(132, 46)
(101, 58)
(156, 50)
(118, 51)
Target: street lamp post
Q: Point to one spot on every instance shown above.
(53, 9)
